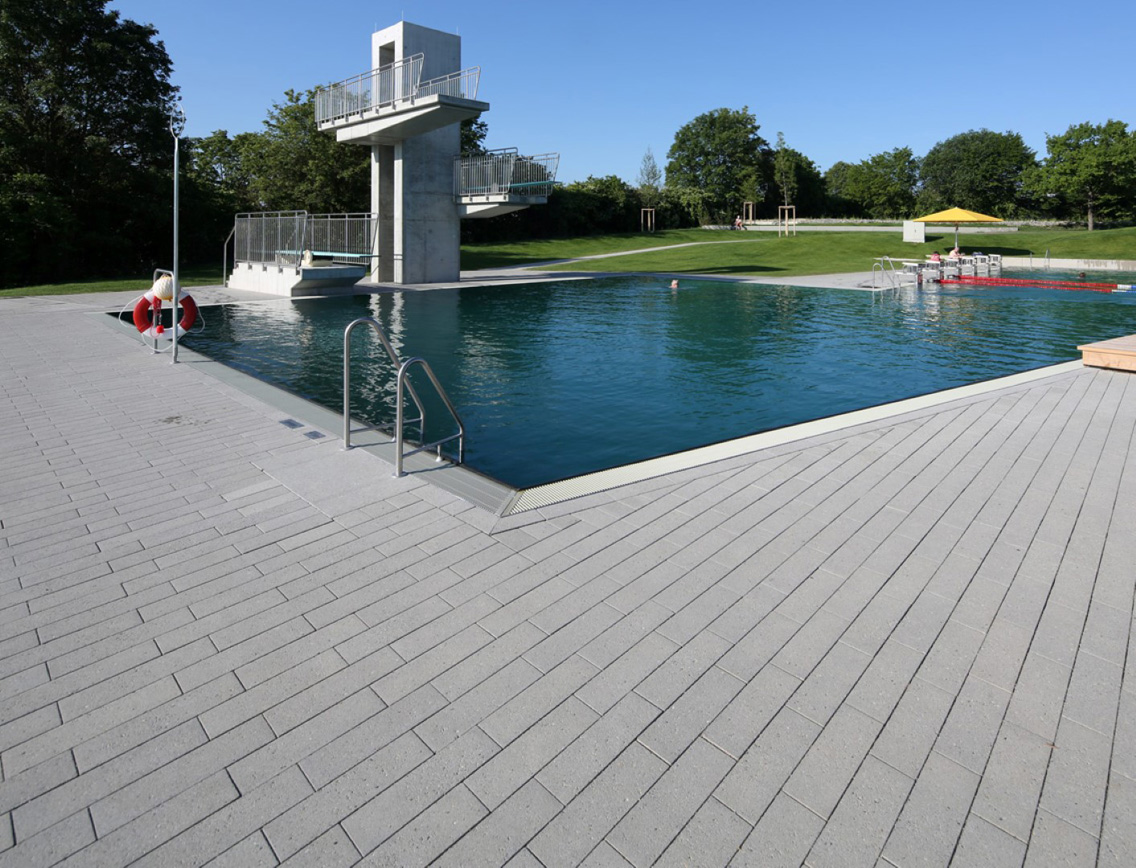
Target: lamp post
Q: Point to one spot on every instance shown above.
(177, 124)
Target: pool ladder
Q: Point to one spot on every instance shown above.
(403, 387)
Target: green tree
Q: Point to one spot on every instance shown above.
(85, 149)
(717, 161)
(1092, 167)
(837, 183)
(882, 186)
(473, 133)
(650, 180)
(979, 170)
(785, 170)
(291, 165)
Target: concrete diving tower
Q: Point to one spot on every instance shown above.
(407, 109)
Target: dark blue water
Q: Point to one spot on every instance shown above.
(558, 379)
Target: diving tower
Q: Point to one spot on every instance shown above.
(407, 109)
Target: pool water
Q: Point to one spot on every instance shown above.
(558, 379)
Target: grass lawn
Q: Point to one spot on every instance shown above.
(209, 275)
(713, 252)
(763, 253)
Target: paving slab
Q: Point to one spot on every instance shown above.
(904, 639)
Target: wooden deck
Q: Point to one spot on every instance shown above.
(1119, 354)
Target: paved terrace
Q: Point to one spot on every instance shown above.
(220, 639)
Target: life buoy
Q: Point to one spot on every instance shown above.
(143, 320)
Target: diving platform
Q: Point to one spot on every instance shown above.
(501, 181)
(390, 104)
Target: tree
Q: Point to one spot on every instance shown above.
(1092, 167)
(717, 161)
(650, 180)
(785, 170)
(979, 170)
(473, 133)
(293, 166)
(85, 149)
(882, 186)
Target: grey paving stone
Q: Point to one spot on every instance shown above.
(751, 710)
(399, 804)
(1117, 839)
(138, 730)
(856, 831)
(174, 778)
(329, 850)
(431, 832)
(972, 725)
(491, 657)
(1075, 784)
(683, 721)
(357, 744)
(472, 708)
(52, 845)
(67, 735)
(587, 756)
(503, 775)
(504, 832)
(649, 827)
(819, 780)
(297, 828)
(1058, 843)
(782, 837)
(983, 844)
(226, 827)
(545, 693)
(588, 818)
(297, 744)
(929, 826)
(711, 837)
(883, 683)
(253, 852)
(164, 821)
(762, 771)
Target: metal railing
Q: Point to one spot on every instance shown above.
(347, 239)
(403, 386)
(503, 172)
(269, 236)
(297, 237)
(396, 82)
(884, 266)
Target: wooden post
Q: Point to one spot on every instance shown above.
(647, 220)
(749, 212)
(786, 219)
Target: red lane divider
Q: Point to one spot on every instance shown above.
(1087, 286)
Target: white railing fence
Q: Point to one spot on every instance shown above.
(396, 82)
(503, 172)
(297, 237)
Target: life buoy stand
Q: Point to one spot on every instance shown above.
(144, 319)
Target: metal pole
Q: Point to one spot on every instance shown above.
(177, 123)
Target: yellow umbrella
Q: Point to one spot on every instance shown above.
(957, 216)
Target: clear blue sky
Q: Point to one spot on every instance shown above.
(600, 82)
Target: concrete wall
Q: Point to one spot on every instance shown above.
(414, 196)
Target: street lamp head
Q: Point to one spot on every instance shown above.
(177, 119)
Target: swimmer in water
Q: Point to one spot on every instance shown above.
(674, 284)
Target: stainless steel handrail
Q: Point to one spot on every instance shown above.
(378, 329)
(460, 436)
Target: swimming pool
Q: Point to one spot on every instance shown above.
(562, 378)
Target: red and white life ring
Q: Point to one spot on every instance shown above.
(143, 319)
